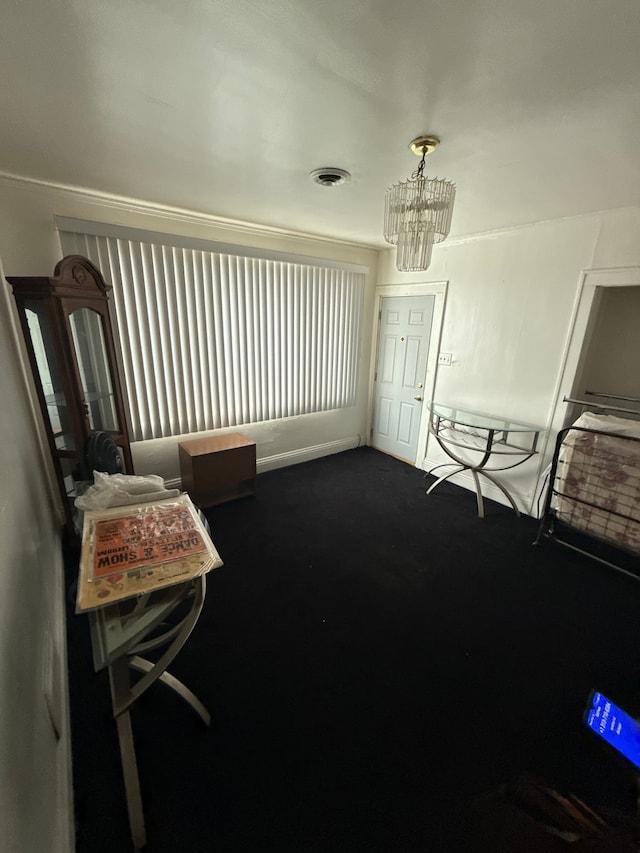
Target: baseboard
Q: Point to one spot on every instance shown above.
(293, 457)
(489, 491)
(306, 454)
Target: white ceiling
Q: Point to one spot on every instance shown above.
(225, 106)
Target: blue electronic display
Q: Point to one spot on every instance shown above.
(614, 725)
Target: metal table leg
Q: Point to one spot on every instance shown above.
(120, 686)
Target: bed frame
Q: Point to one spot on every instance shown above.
(592, 502)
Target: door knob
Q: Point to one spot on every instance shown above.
(417, 398)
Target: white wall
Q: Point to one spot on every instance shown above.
(29, 245)
(509, 306)
(35, 764)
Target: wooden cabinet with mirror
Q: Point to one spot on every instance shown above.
(67, 328)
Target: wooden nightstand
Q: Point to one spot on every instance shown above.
(218, 469)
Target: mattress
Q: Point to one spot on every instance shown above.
(597, 482)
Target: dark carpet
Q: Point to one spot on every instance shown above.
(373, 659)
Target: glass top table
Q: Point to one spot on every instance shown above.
(488, 438)
(477, 420)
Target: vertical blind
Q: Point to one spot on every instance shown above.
(213, 340)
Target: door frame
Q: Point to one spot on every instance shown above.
(438, 289)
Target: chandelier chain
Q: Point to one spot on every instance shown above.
(418, 175)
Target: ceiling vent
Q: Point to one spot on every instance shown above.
(330, 176)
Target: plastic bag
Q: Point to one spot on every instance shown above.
(122, 489)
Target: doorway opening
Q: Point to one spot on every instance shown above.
(608, 372)
(603, 350)
(600, 342)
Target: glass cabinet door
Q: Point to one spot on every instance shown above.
(93, 365)
(58, 407)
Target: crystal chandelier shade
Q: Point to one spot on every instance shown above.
(414, 247)
(418, 213)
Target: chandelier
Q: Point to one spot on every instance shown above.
(418, 212)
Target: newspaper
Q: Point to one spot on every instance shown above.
(136, 549)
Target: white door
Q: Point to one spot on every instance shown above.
(403, 346)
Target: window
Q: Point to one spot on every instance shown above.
(214, 339)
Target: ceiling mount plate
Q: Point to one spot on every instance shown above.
(420, 143)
